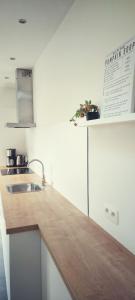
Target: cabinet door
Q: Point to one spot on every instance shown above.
(53, 286)
(25, 266)
(5, 246)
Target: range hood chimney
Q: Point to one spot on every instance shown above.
(24, 96)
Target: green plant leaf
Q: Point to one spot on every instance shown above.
(77, 114)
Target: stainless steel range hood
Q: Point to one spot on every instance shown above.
(24, 100)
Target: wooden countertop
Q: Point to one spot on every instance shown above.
(93, 265)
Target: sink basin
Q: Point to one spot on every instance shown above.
(23, 188)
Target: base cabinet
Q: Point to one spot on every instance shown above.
(25, 266)
(22, 264)
(5, 246)
(53, 286)
(30, 270)
(31, 273)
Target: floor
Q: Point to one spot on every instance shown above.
(3, 292)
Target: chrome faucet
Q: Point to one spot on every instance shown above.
(43, 170)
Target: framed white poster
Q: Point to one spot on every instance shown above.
(119, 81)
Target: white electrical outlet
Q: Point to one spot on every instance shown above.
(111, 214)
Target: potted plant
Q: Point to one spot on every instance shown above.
(91, 111)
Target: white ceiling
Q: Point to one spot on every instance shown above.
(26, 42)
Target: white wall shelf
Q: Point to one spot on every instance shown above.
(105, 121)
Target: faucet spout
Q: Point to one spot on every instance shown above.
(43, 170)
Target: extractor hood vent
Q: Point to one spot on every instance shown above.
(24, 100)
(20, 125)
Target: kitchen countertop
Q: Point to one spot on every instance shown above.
(93, 265)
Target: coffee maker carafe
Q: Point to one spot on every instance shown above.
(10, 157)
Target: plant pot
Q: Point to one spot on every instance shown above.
(91, 115)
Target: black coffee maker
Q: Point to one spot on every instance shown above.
(10, 157)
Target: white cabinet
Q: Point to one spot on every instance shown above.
(22, 265)
(5, 246)
(22, 262)
(25, 265)
(53, 286)
(31, 273)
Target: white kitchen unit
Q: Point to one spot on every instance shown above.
(25, 266)
(22, 265)
(5, 245)
(31, 273)
(22, 262)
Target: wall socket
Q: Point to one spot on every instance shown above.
(111, 214)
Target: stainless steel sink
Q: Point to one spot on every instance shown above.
(23, 188)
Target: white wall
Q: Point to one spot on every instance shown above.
(70, 70)
(112, 170)
(62, 148)
(9, 137)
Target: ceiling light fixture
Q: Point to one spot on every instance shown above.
(22, 21)
(12, 58)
